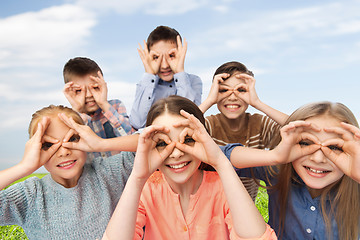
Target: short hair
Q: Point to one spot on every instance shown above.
(233, 67)
(52, 111)
(80, 66)
(162, 33)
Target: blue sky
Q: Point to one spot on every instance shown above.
(299, 51)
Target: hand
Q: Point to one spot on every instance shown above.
(89, 141)
(151, 60)
(247, 91)
(99, 90)
(176, 57)
(292, 135)
(148, 158)
(344, 152)
(203, 148)
(216, 92)
(39, 148)
(75, 94)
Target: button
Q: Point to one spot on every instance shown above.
(103, 155)
(149, 98)
(170, 86)
(152, 80)
(185, 228)
(308, 230)
(176, 80)
(312, 208)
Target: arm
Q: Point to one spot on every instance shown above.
(344, 151)
(288, 149)
(90, 142)
(34, 156)
(147, 160)
(144, 98)
(251, 97)
(239, 201)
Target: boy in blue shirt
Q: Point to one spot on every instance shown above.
(163, 57)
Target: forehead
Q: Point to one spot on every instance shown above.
(82, 80)
(233, 80)
(169, 120)
(56, 129)
(163, 46)
(324, 122)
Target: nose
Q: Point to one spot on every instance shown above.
(63, 152)
(232, 96)
(176, 153)
(87, 91)
(318, 157)
(164, 63)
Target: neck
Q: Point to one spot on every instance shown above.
(234, 124)
(189, 187)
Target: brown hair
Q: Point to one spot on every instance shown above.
(80, 66)
(344, 195)
(172, 105)
(162, 33)
(233, 67)
(52, 111)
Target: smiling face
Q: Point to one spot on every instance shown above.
(231, 106)
(90, 104)
(166, 49)
(316, 170)
(66, 165)
(179, 167)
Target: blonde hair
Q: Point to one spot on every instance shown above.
(52, 111)
(344, 194)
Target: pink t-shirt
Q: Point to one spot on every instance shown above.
(208, 215)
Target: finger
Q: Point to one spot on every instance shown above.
(47, 138)
(161, 136)
(185, 132)
(184, 148)
(196, 124)
(67, 120)
(167, 151)
(53, 149)
(222, 76)
(344, 133)
(351, 128)
(334, 142)
(307, 150)
(333, 157)
(182, 123)
(146, 47)
(68, 135)
(178, 41)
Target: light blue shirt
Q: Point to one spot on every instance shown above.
(151, 88)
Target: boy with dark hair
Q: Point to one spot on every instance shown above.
(86, 91)
(233, 90)
(163, 57)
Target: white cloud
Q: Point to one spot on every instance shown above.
(150, 7)
(37, 38)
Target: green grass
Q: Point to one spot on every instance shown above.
(14, 232)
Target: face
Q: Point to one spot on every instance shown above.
(231, 106)
(179, 167)
(66, 165)
(90, 103)
(316, 170)
(166, 49)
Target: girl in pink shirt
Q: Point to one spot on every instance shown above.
(182, 201)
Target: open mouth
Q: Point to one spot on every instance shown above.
(66, 164)
(178, 166)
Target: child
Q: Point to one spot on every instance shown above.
(181, 201)
(233, 90)
(86, 91)
(313, 195)
(163, 57)
(74, 201)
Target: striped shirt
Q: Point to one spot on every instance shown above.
(255, 131)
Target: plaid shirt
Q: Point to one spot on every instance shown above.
(118, 119)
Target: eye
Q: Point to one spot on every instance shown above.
(74, 138)
(161, 144)
(77, 91)
(46, 145)
(241, 90)
(189, 140)
(155, 57)
(335, 148)
(304, 143)
(223, 90)
(172, 55)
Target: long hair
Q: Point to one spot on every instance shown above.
(344, 194)
(51, 111)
